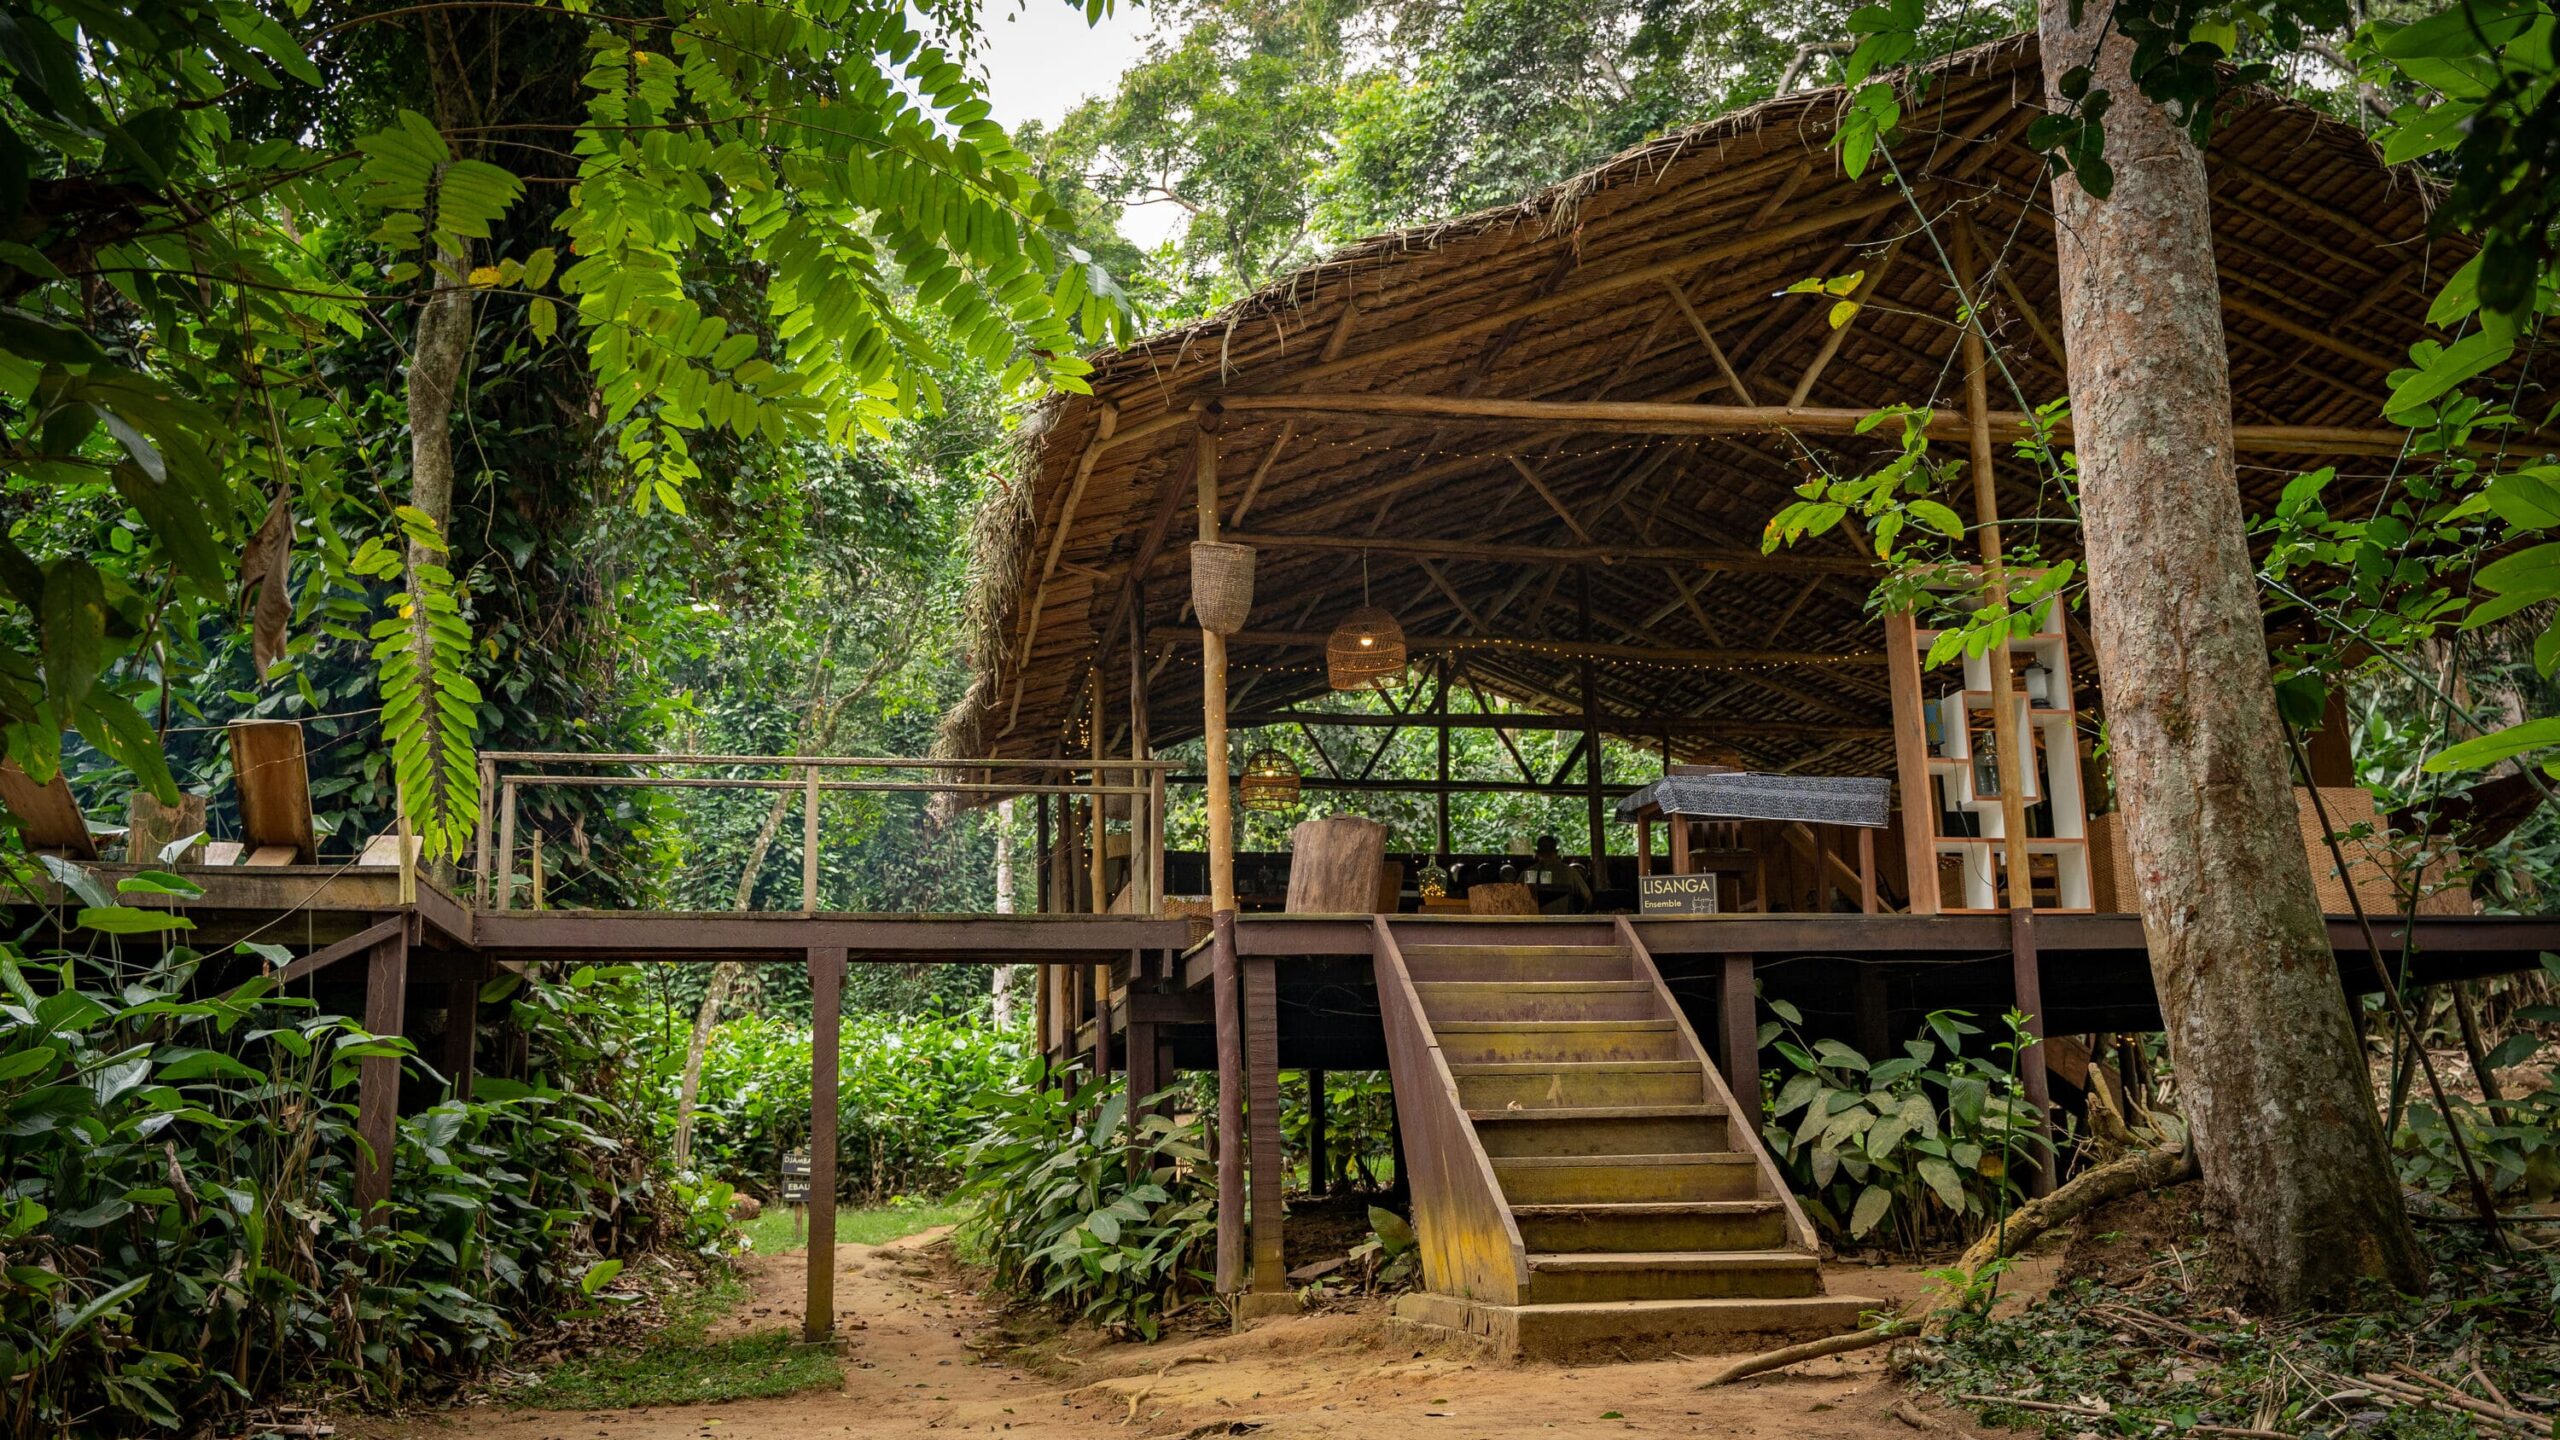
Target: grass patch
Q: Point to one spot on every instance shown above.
(677, 1365)
(771, 1233)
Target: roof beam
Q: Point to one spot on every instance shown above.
(1649, 417)
(1717, 557)
(1563, 649)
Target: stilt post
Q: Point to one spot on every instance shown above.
(1319, 1171)
(2028, 978)
(1739, 1008)
(826, 1018)
(386, 993)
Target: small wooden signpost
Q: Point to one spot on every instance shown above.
(795, 1191)
(1677, 894)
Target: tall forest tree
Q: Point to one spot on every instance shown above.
(2270, 1070)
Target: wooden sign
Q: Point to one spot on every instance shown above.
(795, 1178)
(1676, 895)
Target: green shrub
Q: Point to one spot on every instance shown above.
(904, 1100)
(1077, 1208)
(1927, 1140)
(178, 1236)
(1359, 1124)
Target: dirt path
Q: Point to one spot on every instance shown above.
(911, 1371)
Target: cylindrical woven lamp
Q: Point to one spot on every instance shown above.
(1269, 782)
(1366, 648)
(1221, 585)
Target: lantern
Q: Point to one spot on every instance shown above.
(1221, 585)
(1269, 782)
(1365, 650)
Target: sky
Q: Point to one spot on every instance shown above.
(1042, 60)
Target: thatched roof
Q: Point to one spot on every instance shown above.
(1597, 290)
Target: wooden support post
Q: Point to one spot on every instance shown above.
(1227, 995)
(1262, 1116)
(1098, 844)
(461, 1036)
(1440, 797)
(1739, 1009)
(1319, 1170)
(809, 839)
(1101, 1022)
(480, 832)
(2013, 761)
(1213, 699)
(1875, 1024)
(386, 995)
(2028, 979)
(1146, 876)
(538, 896)
(1042, 863)
(1868, 904)
(1644, 846)
(826, 1018)
(507, 845)
(1594, 770)
(1911, 763)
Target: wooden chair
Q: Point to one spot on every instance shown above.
(48, 815)
(272, 776)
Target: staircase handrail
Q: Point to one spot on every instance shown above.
(1742, 1128)
(1452, 1174)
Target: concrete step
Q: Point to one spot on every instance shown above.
(1620, 1130)
(1630, 1329)
(1482, 1042)
(1578, 1277)
(1540, 1085)
(1449, 1000)
(1588, 1179)
(1628, 1226)
(1518, 962)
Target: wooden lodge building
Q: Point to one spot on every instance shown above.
(1535, 449)
(1542, 443)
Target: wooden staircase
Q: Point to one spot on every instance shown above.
(1583, 1187)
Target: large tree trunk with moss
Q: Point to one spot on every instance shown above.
(2269, 1071)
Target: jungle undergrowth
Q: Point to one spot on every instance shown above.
(2164, 1353)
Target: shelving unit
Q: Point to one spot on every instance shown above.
(1968, 825)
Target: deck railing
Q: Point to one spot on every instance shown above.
(505, 775)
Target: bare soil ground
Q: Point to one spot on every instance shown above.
(925, 1356)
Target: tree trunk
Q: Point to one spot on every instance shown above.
(2268, 1068)
(436, 357)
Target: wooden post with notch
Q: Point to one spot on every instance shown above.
(1225, 981)
(386, 993)
(826, 1018)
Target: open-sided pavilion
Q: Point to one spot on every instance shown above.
(1547, 439)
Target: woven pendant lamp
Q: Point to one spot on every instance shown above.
(1367, 648)
(1269, 782)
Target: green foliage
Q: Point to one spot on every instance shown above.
(679, 1364)
(2096, 1346)
(905, 1092)
(179, 1222)
(1925, 1143)
(1077, 1207)
(1359, 1128)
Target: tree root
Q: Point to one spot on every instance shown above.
(1810, 1350)
(2149, 1170)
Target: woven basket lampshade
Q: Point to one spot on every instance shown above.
(1221, 585)
(1269, 782)
(1364, 650)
